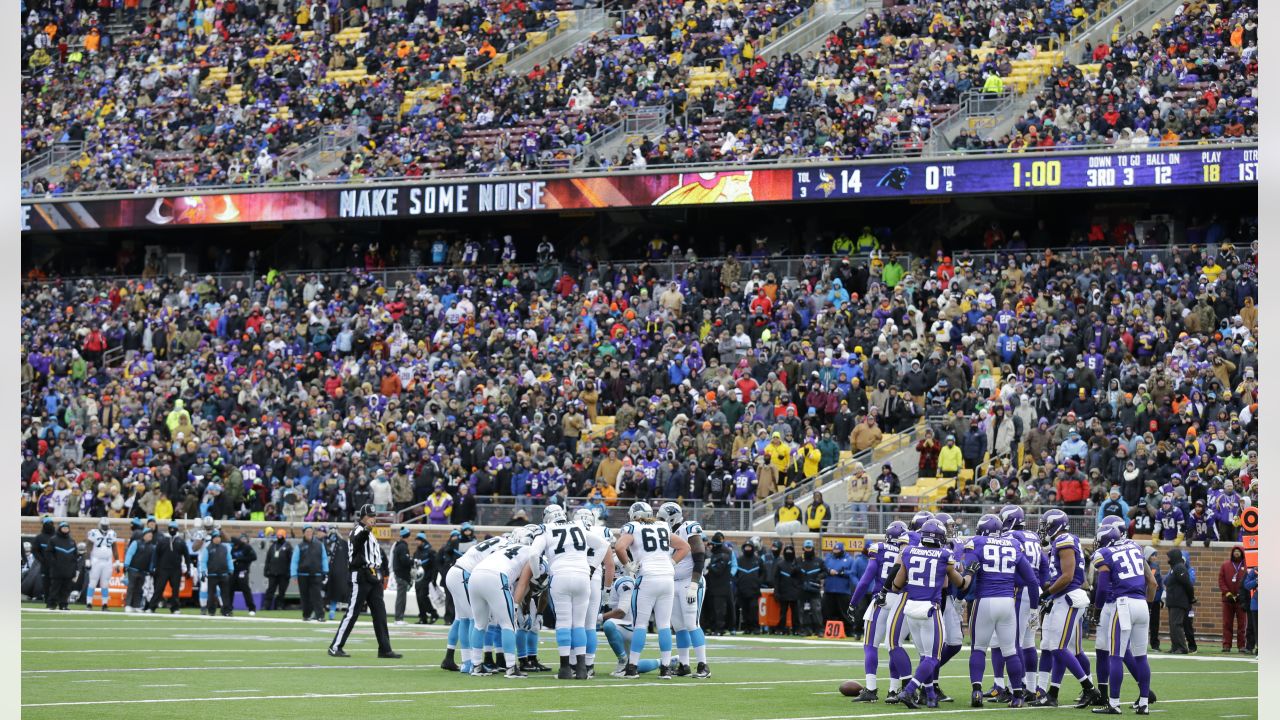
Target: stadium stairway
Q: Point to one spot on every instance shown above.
(575, 27)
(994, 119)
(812, 34)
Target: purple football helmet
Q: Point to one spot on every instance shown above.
(896, 532)
(919, 519)
(1012, 517)
(1053, 523)
(1109, 535)
(932, 533)
(989, 525)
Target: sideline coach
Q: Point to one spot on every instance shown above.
(368, 567)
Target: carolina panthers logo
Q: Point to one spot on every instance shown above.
(826, 183)
(896, 178)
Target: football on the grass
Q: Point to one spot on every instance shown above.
(850, 688)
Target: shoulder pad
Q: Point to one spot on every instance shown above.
(970, 544)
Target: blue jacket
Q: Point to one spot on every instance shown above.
(1251, 584)
(842, 582)
(860, 563)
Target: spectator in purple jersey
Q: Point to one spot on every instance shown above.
(1169, 521)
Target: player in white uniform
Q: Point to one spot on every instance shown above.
(529, 621)
(617, 626)
(645, 547)
(200, 529)
(601, 567)
(497, 586)
(102, 556)
(565, 545)
(686, 610)
(455, 582)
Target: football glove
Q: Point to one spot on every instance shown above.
(973, 568)
(632, 568)
(880, 598)
(1045, 605)
(691, 594)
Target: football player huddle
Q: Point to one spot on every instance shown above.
(1011, 582)
(590, 580)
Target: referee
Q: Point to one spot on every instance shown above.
(368, 567)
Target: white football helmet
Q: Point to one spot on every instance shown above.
(554, 514)
(585, 516)
(670, 513)
(640, 511)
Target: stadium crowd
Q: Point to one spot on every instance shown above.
(227, 95)
(1102, 380)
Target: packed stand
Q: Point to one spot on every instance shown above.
(302, 397)
(1193, 80)
(875, 87)
(153, 120)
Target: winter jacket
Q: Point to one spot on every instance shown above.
(1179, 591)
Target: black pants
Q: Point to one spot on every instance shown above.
(1177, 629)
(59, 591)
(46, 586)
(717, 610)
(366, 590)
(1251, 637)
(240, 584)
(219, 594)
(789, 609)
(833, 608)
(133, 598)
(1227, 532)
(749, 610)
(811, 614)
(1189, 630)
(1153, 639)
(274, 597)
(402, 595)
(170, 578)
(309, 590)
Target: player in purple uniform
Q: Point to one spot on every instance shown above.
(1125, 581)
(1169, 520)
(923, 574)
(1002, 569)
(1013, 526)
(1063, 601)
(1102, 620)
(883, 558)
(952, 632)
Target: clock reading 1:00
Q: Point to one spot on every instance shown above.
(1041, 173)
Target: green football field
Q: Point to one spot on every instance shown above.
(111, 665)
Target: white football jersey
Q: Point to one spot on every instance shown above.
(102, 544)
(621, 598)
(509, 560)
(650, 547)
(569, 547)
(684, 568)
(481, 550)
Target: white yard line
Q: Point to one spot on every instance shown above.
(612, 686)
(164, 686)
(459, 707)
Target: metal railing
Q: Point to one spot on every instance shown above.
(780, 164)
(501, 510)
(58, 155)
(874, 517)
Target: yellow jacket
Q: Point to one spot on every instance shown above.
(779, 455)
(950, 459)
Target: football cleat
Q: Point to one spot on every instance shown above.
(630, 672)
(338, 653)
(683, 670)
(1100, 698)
(942, 697)
(975, 699)
(868, 695)
(535, 666)
(390, 655)
(515, 672)
(1151, 699)
(619, 671)
(591, 671)
(909, 699)
(490, 668)
(449, 665)
(566, 673)
(1107, 709)
(1002, 695)
(1017, 701)
(480, 671)
(1142, 710)
(703, 671)
(580, 672)
(1087, 698)
(665, 672)
(1046, 701)
(892, 698)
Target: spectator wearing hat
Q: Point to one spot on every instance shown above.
(217, 566)
(1113, 506)
(788, 589)
(865, 435)
(424, 572)
(811, 569)
(818, 515)
(41, 549)
(950, 458)
(171, 565)
(402, 569)
(464, 505)
(243, 556)
(139, 562)
(279, 556)
(748, 577)
(66, 566)
(837, 586)
(439, 505)
(1072, 488)
(310, 566)
(721, 566)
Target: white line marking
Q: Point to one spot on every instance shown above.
(1232, 716)
(921, 713)
(90, 681)
(236, 690)
(459, 707)
(627, 717)
(544, 712)
(534, 688)
(390, 701)
(257, 667)
(160, 686)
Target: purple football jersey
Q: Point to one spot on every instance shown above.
(999, 559)
(1066, 541)
(926, 572)
(1127, 570)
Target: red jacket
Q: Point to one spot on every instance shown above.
(1231, 575)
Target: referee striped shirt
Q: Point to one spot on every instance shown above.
(364, 551)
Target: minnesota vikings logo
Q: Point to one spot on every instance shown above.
(192, 210)
(826, 183)
(896, 178)
(708, 188)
